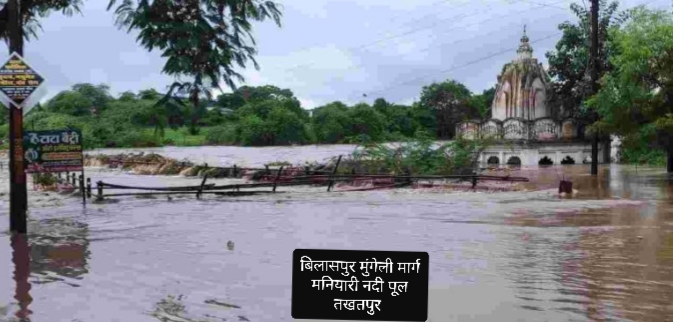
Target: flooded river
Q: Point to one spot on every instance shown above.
(605, 254)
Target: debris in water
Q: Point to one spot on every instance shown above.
(242, 318)
(214, 302)
(230, 245)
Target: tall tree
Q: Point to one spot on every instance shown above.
(482, 102)
(569, 63)
(451, 102)
(202, 39)
(636, 97)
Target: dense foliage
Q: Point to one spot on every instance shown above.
(636, 98)
(201, 39)
(634, 63)
(249, 116)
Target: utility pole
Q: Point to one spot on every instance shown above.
(18, 195)
(594, 82)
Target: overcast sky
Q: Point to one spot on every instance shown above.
(326, 50)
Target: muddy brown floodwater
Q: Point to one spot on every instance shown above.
(604, 254)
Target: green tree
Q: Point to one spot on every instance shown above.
(482, 102)
(423, 118)
(569, 62)
(451, 102)
(71, 103)
(399, 120)
(253, 131)
(128, 96)
(331, 122)
(99, 95)
(287, 127)
(381, 105)
(82, 99)
(149, 94)
(202, 39)
(366, 121)
(636, 98)
(263, 93)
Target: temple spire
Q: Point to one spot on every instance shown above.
(525, 51)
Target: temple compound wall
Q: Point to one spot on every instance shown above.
(543, 141)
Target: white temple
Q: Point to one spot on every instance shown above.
(521, 116)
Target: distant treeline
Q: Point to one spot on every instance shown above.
(250, 116)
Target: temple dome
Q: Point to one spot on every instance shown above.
(523, 87)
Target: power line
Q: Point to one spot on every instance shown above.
(476, 60)
(486, 20)
(361, 47)
(357, 46)
(427, 48)
(460, 66)
(428, 15)
(387, 38)
(483, 35)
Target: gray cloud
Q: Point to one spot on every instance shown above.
(326, 50)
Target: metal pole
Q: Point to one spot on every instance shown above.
(594, 81)
(18, 193)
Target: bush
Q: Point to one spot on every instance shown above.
(132, 138)
(253, 131)
(45, 179)
(223, 134)
(422, 156)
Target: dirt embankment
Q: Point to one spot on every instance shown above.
(155, 164)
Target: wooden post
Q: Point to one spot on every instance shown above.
(235, 172)
(203, 183)
(99, 186)
(331, 180)
(74, 179)
(275, 182)
(88, 188)
(18, 191)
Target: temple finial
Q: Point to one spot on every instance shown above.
(524, 29)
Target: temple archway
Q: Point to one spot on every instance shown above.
(493, 160)
(567, 160)
(545, 161)
(514, 161)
